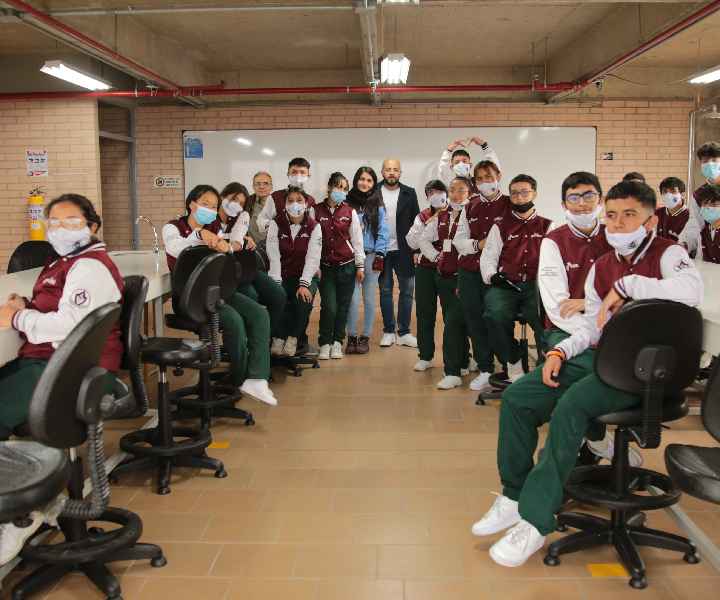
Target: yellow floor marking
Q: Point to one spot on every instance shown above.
(607, 571)
(219, 445)
(495, 403)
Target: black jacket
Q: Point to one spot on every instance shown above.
(407, 209)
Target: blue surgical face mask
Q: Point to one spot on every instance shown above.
(338, 196)
(711, 169)
(205, 216)
(710, 213)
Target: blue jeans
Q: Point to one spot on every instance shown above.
(368, 293)
(405, 302)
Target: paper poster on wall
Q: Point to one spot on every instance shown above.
(167, 182)
(37, 163)
(193, 145)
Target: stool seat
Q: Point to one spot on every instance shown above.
(675, 407)
(31, 475)
(695, 470)
(175, 322)
(520, 318)
(174, 351)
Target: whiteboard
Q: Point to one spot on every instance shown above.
(549, 154)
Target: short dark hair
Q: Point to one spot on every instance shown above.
(459, 152)
(299, 162)
(297, 190)
(435, 184)
(634, 176)
(580, 178)
(642, 192)
(466, 181)
(708, 150)
(486, 164)
(672, 182)
(87, 208)
(522, 178)
(336, 178)
(198, 191)
(708, 194)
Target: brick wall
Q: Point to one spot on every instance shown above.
(68, 131)
(650, 137)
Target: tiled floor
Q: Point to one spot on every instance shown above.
(363, 484)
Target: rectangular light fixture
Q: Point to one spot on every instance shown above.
(394, 68)
(707, 76)
(71, 74)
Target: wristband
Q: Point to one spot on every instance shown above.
(559, 353)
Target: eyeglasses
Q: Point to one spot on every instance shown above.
(523, 194)
(262, 184)
(587, 196)
(71, 223)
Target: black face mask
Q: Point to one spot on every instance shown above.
(523, 208)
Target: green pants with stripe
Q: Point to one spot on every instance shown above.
(455, 343)
(337, 286)
(472, 291)
(426, 299)
(295, 318)
(264, 290)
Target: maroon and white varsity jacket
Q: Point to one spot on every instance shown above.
(476, 221)
(436, 237)
(671, 226)
(341, 235)
(294, 249)
(416, 231)
(177, 236)
(710, 241)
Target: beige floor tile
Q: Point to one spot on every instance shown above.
(249, 529)
(529, 589)
(407, 426)
(452, 529)
(174, 527)
(178, 500)
(367, 502)
(271, 459)
(231, 457)
(258, 441)
(419, 562)
(330, 459)
(435, 502)
(425, 441)
(389, 412)
(368, 589)
(448, 459)
(367, 390)
(477, 564)
(341, 412)
(230, 501)
(370, 441)
(442, 413)
(297, 401)
(455, 590)
(391, 529)
(470, 478)
(664, 563)
(255, 560)
(147, 478)
(374, 401)
(271, 589)
(410, 479)
(357, 380)
(183, 588)
(183, 560)
(292, 412)
(421, 401)
(336, 562)
(618, 589)
(303, 426)
(357, 425)
(317, 529)
(120, 496)
(298, 501)
(474, 441)
(76, 586)
(459, 426)
(316, 389)
(283, 479)
(333, 400)
(346, 479)
(237, 479)
(403, 390)
(315, 441)
(391, 459)
(692, 589)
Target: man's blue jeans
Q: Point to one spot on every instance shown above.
(406, 282)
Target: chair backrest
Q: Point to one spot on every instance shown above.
(68, 394)
(540, 306)
(248, 264)
(29, 255)
(201, 294)
(710, 410)
(263, 260)
(674, 329)
(191, 257)
(134, 295)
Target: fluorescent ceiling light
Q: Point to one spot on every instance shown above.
(244, 141)
(268, 152)
(707, 76)
(59, 69)
(394, 68)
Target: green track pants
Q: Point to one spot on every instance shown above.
(295, 318)
(455, 344)
(472, 291)
(426, 299)
(264, 290)
(337, 286)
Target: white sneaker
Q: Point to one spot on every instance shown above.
(606, 449)
(388, 339)
(464, 372)
(480, 382)
(324, 353)
(515, 371)
(407, 340)
(258, 389)
(503, 514)
(277, 347)
(13, 538)
(473, 366)
(449, 382)
(290, 347)
(312, 350)
(336, 350)
(423, 365)
(519, 544)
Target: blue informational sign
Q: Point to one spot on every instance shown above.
(193, 145)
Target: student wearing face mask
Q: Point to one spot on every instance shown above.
(709, 199)
(709, 158)
(455, 160)
(294, 244)
(342, 263)
(674, 214)
(245, 324)
(509, 264)
(441, 230)
(365, 198)
(298, 175)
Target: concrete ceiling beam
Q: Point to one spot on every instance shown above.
(365, 15)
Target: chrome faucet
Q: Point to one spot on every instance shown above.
(156, 248)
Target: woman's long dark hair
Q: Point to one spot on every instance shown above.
(238, 188)
(367, 203)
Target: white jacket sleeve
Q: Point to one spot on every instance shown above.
(312, 259)
(554, 287)
(267, 214)
(589, 333)
(175, 243)
(88, 285)
(239, 231)
(356, 240)
(463, 242)
(445, 172)
(427, 238)
(690, 235)
(272, 247)
(490, 155)
(490, 256)
(413, 236)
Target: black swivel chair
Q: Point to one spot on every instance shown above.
(263, 261)
(157, 447)
(29, 255)
(64, 413)
(651, 348)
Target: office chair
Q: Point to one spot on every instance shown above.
(29, 255)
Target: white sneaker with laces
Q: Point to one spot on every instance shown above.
(258, 389)
(606, 449)
(515, 371)
(480, 382)
(13, 538)
(277, 346)
(473, 366)
(423, 365)
(503, 514)
(336, 350)
(324, 353)
(407, 340)
(519, 544)
(290, 347)
(449, 382)
(464, 372)
(388, 339)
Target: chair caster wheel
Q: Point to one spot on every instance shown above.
(96, 530)
(164, 490)
(552, 561)
(480, 402)
(316, 366)
(561, 528)
(221, 474)
(161, 561)
(298, 374)
(205, 426)
(250, 422)
(693, 558)
(112, 479)
(638, 583)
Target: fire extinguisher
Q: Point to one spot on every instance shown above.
(35, 206)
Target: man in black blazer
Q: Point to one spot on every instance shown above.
(402, 207)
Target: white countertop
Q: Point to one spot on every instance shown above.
(710, 306)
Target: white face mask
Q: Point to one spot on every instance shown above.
(671, 200)
(438, 199)
(295, 210)
(626, 243)
(459, 205)
(584, 220)
(232, 209)
(488, 189)
(298, 180)
(65, 241)
(462, 169)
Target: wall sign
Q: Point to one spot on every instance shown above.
(167, 182)
(193, 143)
(37, 163)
